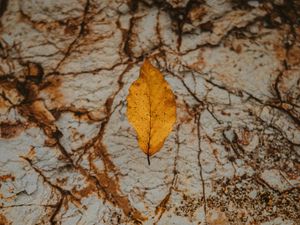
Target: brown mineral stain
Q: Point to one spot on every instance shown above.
(10, 95)
(286, 106)
(10, 130)
(41, 113)
(197, 13)
(199, 64)
(282, 82)
(188, 115)
(208, 26)
(52, 88)
(293, 55)
(216, 155)
(223, 112)
(4, 221)
(34, 72)
(237, 48)
(4, 104)
(86, 191)
(245, 138)
(31, 154)
(161, 208)
(33, 69)
(71, 28)
(227, 79)
(113, 194)
(110, 185)
(294, 175)
(280, 52)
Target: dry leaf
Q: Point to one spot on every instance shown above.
(151, 108)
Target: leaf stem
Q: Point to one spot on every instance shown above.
(150, 122)
(148, 158)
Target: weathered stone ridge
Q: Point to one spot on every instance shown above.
(68, 154)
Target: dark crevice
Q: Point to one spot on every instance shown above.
(3, 6)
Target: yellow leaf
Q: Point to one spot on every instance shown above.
(151, 108)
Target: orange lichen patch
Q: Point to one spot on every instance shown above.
(216, 217)
(245, 138)
(6, 177)
(4, 221)
(10, 130)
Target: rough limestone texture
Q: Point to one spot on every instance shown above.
(67, 152)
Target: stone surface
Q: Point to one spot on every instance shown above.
(67, 152)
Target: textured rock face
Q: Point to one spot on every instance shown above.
(67, 152)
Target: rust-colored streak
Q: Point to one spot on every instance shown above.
(41, 113)
(6, 177)
(110, 186)
(162, 205)
(86, 191)
(113, 194)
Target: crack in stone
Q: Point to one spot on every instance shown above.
(80, 34)
(197, 118)
(64, 193)
(161, 207)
